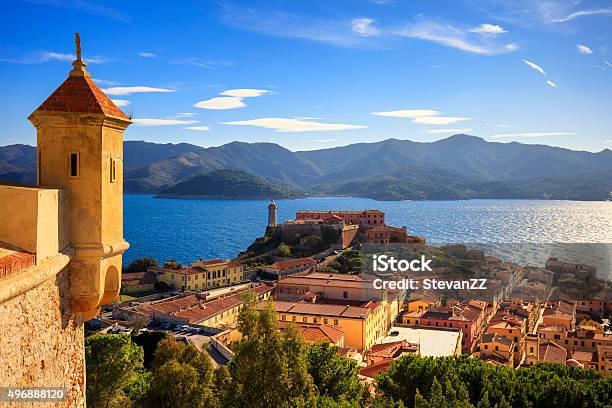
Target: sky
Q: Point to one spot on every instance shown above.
(318, 74)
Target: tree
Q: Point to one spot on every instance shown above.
(112, 361)
(284, 250)
(140, 265)
(182, 377)
(269, 369)
(333, 375)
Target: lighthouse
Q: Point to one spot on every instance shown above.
(272, 214)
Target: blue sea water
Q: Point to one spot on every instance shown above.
(187, 230)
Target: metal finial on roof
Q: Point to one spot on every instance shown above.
(78, 64)
(77, 42)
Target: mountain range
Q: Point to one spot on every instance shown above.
(458, 167)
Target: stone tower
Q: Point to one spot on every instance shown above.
(80, 150)
(272, 214)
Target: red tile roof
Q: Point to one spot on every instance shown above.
(138, 278)
(80, 94)
(13, 260)
(376, 368)
(283, 265)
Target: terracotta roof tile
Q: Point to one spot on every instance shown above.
(80, 94)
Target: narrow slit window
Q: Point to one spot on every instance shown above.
(74, 164)
(113, 170)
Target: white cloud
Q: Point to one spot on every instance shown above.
(450, 36)
(583, 13)
(203, 63)
(40, 57)
(221, 102)
(184, 114)
(105, 82)
(245, 93)
(147, 55)
(551, 83)
(488, 30)
(532, 134)
(294, 125)
(535, 66)
(121, 102)
(438, 120)
(364, 27)
(408, 113)
(583, 49)
(162, 122)
(128, 90)
(449, 131)
(287, 25)
(608, 63)
(198, 128)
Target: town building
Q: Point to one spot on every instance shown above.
(203, 275)
(497, 349)
(389, 351)
(61, 241)
(218, 311)
(362, 325)
(432, 342)
(138, 282)
(289, 267)
(365, 217)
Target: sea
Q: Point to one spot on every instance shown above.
(523, 231)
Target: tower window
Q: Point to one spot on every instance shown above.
(74, 164)
(113, 170)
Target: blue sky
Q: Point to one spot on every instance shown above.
(315, 74)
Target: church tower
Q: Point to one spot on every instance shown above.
(80, 150)
(272, 214)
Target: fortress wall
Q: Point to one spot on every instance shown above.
(42, 343)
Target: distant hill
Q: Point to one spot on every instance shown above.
(228, 184)
(460, 166)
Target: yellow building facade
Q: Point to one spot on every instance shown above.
(203, 275)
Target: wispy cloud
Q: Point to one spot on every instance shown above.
(535, 66)
(105, 82)
(39, 57)
(211, 64)
(608, 63)
(583, 49)
(145, 54)
(231, 99)
(221, 102)
(287, 25)
(128, 90)
(294, 125)
(454, 37)
(84, 6)
(198, 128)
(245, 92)
(365, 27)
(532, 134)
(488, 30)
(551, 83)
(408, 113)
(438, 120)
(583, 13)
(121, 102)
(449, 131)
(422, 116)
(162, 122)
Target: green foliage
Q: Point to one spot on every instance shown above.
(112, 363)
(350, 261)
(230, 184)
(484, 385)
(333, 375)
(182, 377)
(284, 250)
(140, 265)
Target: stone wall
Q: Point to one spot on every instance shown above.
(41, 343)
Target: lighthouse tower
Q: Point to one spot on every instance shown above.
(272, 214)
